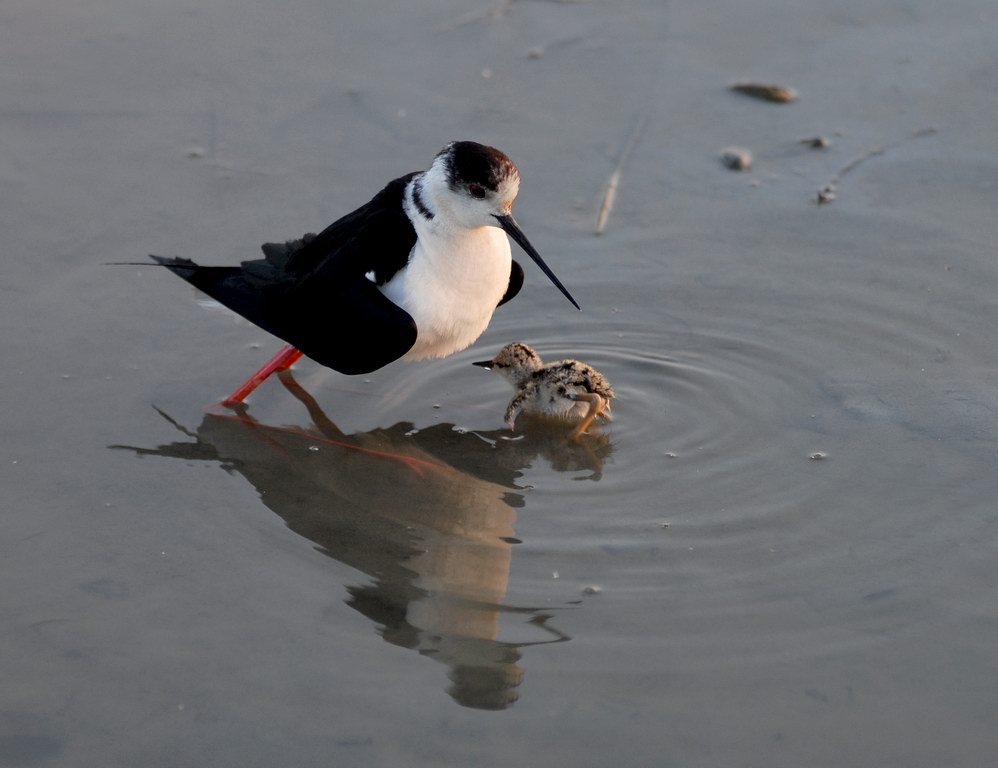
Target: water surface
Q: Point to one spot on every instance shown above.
(780, 553)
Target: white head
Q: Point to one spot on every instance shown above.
(470, 185)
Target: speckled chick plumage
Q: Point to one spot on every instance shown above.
(567, 389)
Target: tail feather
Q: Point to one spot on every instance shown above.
(184, 268)
(160, 261)
(307, 313)
(229, 286)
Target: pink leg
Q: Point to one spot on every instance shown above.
(279, 362)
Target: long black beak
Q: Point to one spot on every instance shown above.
(509, 224)
(486, 364)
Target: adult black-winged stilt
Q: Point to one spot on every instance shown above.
(415, 273)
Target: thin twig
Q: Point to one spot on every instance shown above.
(613, 183)
(609, 197)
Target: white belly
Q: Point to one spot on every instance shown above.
(452, 289)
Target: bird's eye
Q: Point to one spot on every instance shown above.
(477, 190)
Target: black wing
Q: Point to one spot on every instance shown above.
(315, 293)
(376, 237)
(515, 283)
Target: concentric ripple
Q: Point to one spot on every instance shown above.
(758, 484)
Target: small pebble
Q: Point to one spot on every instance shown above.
(818, 456)
(767, 92)
(826, 194)
(736, 158)
(816, 142)
(195, 152)
(313, 448)
(592, 589)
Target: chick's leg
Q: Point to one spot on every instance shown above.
(596, 406)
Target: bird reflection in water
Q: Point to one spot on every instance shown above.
(428, 515)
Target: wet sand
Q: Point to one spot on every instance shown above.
(780, 553)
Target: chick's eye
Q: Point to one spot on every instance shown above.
(476, 190)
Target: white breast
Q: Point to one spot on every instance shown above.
(451, 287)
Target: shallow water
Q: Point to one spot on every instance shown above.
(781, 551)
